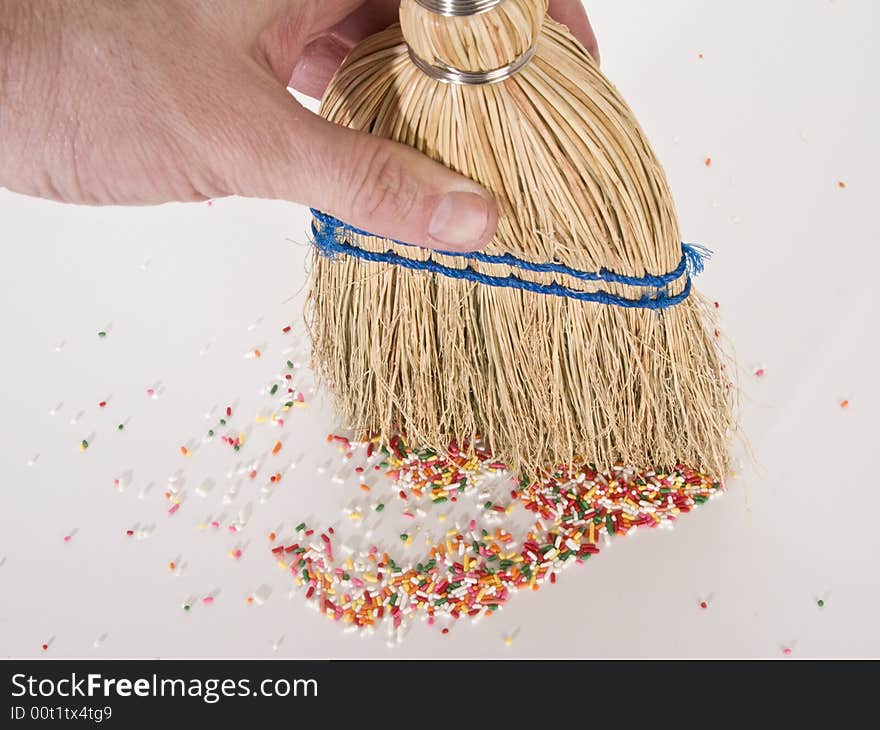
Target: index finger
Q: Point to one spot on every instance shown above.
(572, 14)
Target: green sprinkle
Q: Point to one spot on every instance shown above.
(439, 500)
(274, 389)
(301, 526)
(84, 444)
(609, 524)
(505, 564)
(700, 499)
(820, 603)
(380, 507)
(187, 607)
(210, 432)
(102, 334)
(290, 364)
(222, 421)
(487, 505)
(346, 576)
(120, 427)
(404, 537)
(237, 447)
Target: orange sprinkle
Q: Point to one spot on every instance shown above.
(272, 536)
(184, 450)
(257, 353)
(841, 184)
(250, 599)
(844, 403)
(171, 565)
(708, 162)
(364, 488)
(277, 447)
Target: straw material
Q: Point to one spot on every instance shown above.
(545, 380)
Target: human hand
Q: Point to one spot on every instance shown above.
(104, 102)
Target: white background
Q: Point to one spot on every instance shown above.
(785, 103)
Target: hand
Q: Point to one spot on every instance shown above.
(103, 102)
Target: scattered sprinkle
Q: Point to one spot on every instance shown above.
(474, 571)
(844, 403)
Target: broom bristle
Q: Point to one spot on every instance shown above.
(544, 379)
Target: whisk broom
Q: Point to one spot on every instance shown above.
(576, 335)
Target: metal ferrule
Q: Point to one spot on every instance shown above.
(448, 75)
(459, 8)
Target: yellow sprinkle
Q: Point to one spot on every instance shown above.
(262, 419)
(441, 518)
(508, 640)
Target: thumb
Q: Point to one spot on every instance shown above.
(392, 190)
(371, 183)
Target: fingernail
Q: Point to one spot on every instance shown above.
(460, 221)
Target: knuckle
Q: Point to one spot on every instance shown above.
(382, 185)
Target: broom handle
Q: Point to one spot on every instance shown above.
(453, 12)
(459, 8)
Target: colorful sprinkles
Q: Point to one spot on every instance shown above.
(474, 570)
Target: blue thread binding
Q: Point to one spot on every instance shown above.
(328, 240)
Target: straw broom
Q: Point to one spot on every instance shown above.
(575, 336)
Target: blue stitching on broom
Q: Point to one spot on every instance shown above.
(329, 239)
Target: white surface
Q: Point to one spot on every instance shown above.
(784, 102)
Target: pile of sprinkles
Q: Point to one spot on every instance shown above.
(474, 570)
